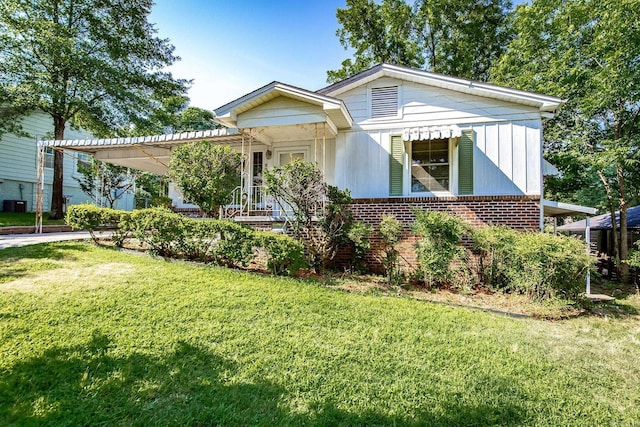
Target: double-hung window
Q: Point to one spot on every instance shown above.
(430, 165)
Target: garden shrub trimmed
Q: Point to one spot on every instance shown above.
(439, 245)
(168, 234)
(539, 265)
(285, 255)
(92, 218)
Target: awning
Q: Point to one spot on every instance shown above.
(431, 132)
(553, 208)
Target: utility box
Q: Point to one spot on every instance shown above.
(16, 206)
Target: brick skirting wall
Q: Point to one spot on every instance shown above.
(518, 212)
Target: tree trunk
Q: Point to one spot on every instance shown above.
(623, 268)
(57, 197)
(612, 210)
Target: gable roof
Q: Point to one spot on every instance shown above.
(333, 107)
(603, 222)
(542, 102)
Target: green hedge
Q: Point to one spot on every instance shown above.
(92, 218)
(537, 264)
(169, 234)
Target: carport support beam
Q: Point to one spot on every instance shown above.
(587, 238)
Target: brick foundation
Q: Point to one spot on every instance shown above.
(518, 212)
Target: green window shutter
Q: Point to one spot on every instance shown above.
(396, 165)
(465, 163)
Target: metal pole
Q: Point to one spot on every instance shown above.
(587, 238)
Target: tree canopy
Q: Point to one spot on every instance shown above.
(587, 52)
(96, 63)
(206, 173)
(456, 37)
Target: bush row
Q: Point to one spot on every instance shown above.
(169, 234)
(539, 265)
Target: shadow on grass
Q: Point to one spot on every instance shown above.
(53, 251)
(95, 384)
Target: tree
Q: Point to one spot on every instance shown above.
(588, 52)
(94, 63)
(173, 115)
(456, 37)
(206, 173)
(299, 188)
(105, 181)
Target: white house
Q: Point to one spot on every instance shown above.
(397, 138)
(18, 167)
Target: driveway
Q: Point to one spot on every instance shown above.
(15, 240)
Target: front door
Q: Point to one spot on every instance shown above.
(257, 180)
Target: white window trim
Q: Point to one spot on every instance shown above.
(285, 150)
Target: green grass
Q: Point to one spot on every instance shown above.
(92, 336)
(28, 219)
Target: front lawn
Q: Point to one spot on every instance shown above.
(25, 219)
(94, 336)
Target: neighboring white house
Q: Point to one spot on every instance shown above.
(18, 166)
(397, 138)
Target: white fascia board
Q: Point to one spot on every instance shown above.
(227, 114)
(553, 208)
(542, 102)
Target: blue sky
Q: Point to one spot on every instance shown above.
(233, 47)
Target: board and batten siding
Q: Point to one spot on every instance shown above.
(507, 149)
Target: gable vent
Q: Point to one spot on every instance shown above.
(384, 102)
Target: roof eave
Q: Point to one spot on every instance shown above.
(544, 103)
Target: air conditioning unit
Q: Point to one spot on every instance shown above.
(17, 206)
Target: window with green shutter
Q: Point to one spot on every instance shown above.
(465, 163)
(396, 165)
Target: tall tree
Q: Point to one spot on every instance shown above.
(588, 52)
(456, 37)
(95, 63)
(173, 115)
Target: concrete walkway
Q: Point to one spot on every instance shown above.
(16, 240)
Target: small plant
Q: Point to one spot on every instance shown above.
(390, 231)
(359, 236)
(285, 255)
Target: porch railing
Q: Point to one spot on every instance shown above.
(256, 201)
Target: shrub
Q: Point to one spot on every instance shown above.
(84, 217)
(634, 256)
(359, 236)
(91, 218)
(439, 245)
(299, 187)
(161, 202)
(118, 221)
(285, 255)
(390, 231)
(228, 243)
(539, 265)
(165, 233)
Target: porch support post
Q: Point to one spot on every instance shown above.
(242, 171)
(40, 187)
(587, 238)
(324, 151)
